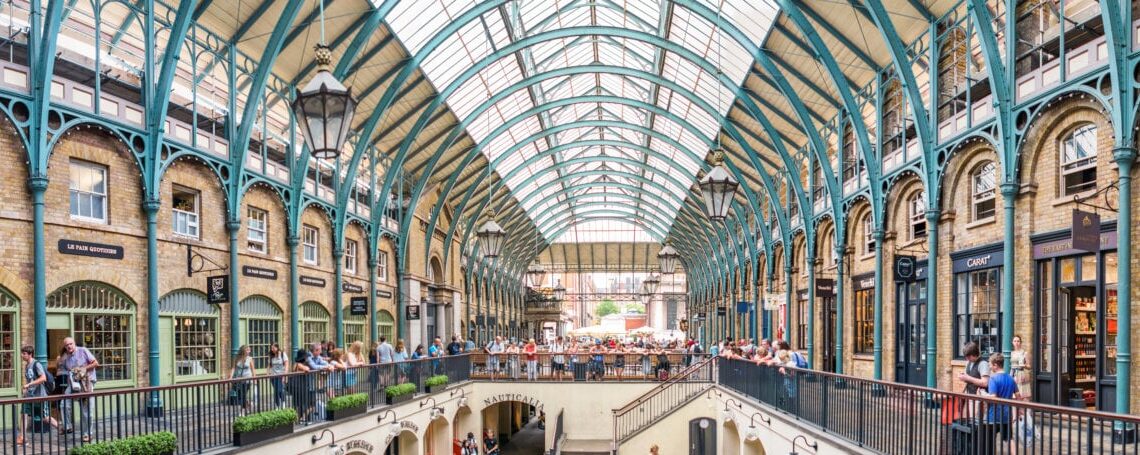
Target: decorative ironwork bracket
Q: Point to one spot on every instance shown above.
(1103, 192)
(196, 262)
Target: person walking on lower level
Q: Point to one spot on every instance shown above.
(35, 386)
(80, 366)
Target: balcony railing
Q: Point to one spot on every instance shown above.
(894, 418)
(201, 414)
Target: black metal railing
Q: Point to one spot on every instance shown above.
(200, 414)
(580, 367)
(902, 419)
(644, 411)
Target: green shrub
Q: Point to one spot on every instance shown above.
(347, 401)
(400, 389)
(263, 420)
(437, 380)
(145, 444)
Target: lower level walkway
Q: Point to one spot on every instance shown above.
(530, 440)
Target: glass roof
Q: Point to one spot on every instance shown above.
(541, 184)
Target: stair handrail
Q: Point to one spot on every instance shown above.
(704, 365)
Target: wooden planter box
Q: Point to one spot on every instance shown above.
(345, 413)
(435, 389)
(254, 437)
(398, 398)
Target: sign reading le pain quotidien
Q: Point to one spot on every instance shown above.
(90, 249)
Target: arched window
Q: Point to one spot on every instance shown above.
(1078, 160)
(9, 334)
(260, 327)
(101, 319)
(188, 327)
(982, 192)
(917, 215)
(354, 327)
(385, 324)
(868, 234)
(314, 323)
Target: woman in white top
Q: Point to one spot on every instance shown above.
(353, 359)
(278, 365)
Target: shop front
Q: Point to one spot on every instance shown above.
(977, 298)
(910, 329)
(1074, 359)
(863, 295)
(801, 320)
(825, 293)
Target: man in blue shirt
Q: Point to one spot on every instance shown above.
(1001, 385)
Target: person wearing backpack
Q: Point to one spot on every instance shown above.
(37, 383)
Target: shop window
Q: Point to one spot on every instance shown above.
(801, 325)
(194, 324)
(385, 325)
(314, 319)
(382, 265)
(261, 320)
(99, 318)
(864, 321)
(982, 194)
(309, 238)
(350, 256)
(917, 215)
(88, 191)
(1078, 160)
(354, 328)
(185, 211)
(977, 315)
(868, 235)
(9, 359)
(257, 236)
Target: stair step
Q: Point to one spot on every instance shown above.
(587, 446)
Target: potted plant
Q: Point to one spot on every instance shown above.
(263, 426)
(161, 443)
(399, 393)
(437, 382)
(346, 406)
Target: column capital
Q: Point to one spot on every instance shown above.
(292, 240)
(338, 252)
(151, 205)
(932, 215)
(233, 226)
(38, 183)
(1009, 189)
(1123, 155)
(878, 234)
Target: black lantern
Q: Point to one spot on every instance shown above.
(536, 273)
(718, 188)
(559, 291)
(651, 284)
(668, 259)
(491, 237)
(324, 109)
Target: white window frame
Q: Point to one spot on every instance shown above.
(189, 219)
(980, 195)
(917, 207)
(310, 244)
(382, 265)
(1070, 167)
(257, 226)
(350, 256)
(94, 197)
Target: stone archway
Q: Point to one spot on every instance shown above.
(403, 443)
(515, 423)
(730, 441)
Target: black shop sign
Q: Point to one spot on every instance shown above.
(358, 306)
(218, 289)
(258, 272)
(412, 312)
(349, 287)
(981, 258)
(312, 281)
(824, 287)
(721, 311)
(90, 249)
(383, 294)
(864, 281)
(906, 268)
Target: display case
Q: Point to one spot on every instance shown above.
(1083, 349)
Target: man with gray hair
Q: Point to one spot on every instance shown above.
(80, 365)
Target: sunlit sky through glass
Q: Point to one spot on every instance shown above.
(567, 186)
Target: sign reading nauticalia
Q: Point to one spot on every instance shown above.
(512, 397)
(90, 249)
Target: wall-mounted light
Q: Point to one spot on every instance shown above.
(814, 446)
(333, 448)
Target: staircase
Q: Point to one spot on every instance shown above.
(648, 409)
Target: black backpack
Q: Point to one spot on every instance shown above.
(49, 384)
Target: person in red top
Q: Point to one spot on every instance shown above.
(531, 352)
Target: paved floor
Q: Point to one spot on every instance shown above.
(531, 440)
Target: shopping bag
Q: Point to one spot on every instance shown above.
(951, 409)
(1024, 428)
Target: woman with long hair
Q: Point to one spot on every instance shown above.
(353, 359)
(278, 365)
(242, 368)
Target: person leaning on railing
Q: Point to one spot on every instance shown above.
(301, 386)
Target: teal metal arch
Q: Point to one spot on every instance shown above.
(563, 33)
